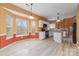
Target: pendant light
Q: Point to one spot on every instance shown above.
(58, 19)
(31, 16)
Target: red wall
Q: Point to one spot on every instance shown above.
(4, 42)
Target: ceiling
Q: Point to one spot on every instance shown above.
(50, 10)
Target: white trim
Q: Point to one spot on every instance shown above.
(21, 35)
(7, 38)
(17, 13)
(33, 33)
(3, 34)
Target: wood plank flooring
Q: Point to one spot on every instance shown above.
(37, 47)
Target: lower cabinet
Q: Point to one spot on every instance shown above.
(58, 37)
(41, 35)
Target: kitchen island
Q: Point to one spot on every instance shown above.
(58, 36)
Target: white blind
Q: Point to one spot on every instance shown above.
(22, 27)
(33, 26)
(9, 26)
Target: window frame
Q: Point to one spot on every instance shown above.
(9, 25)
(33, 27)
(23, 20)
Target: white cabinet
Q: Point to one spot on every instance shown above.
(64, 33)
(50, 33)
(58, 37)
(41, 35)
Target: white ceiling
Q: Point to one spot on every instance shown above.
(50, 10)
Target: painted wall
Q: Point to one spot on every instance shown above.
(3, 13)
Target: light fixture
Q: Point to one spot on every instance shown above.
(30, 16)
(58, 19)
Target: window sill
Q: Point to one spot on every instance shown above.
(21, 35)
(7, 38)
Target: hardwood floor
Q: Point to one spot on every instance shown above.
(37, 47)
